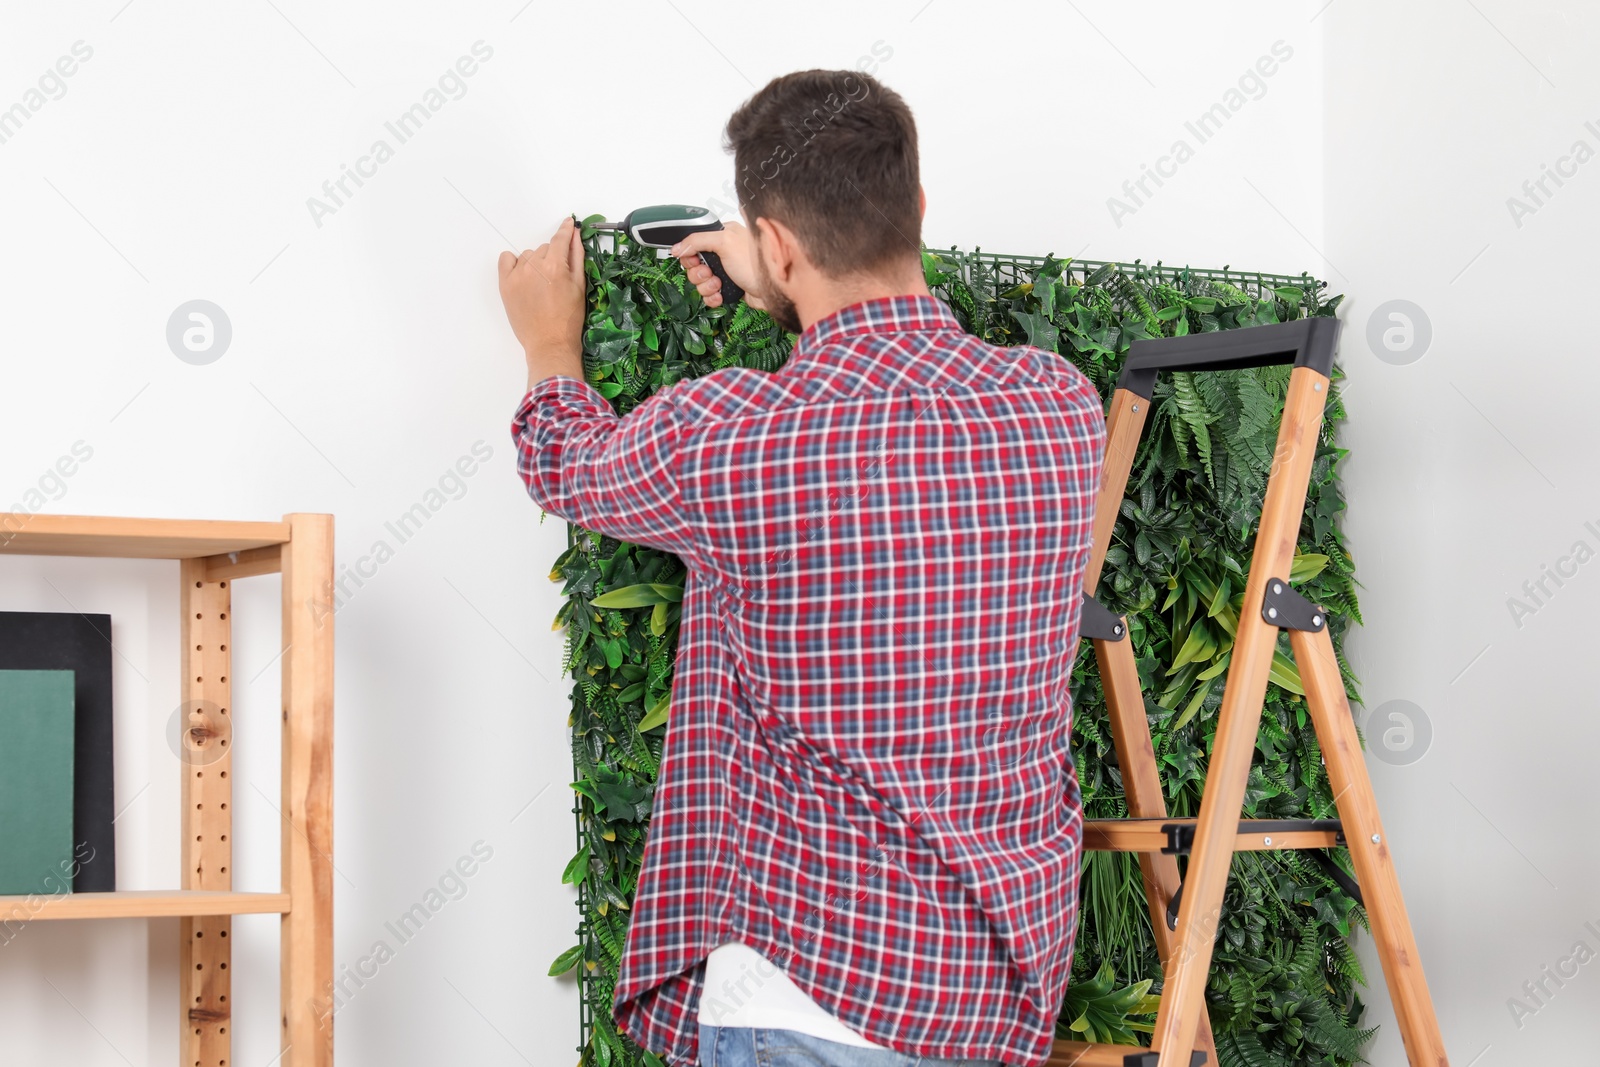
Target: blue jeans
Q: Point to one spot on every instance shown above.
(758, 1046)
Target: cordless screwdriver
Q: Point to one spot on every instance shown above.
(664, 225)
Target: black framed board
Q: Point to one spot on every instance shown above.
(68, 641)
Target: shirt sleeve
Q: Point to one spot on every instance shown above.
(617, 475)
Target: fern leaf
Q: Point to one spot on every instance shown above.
(1192, 412)
(1244, 1049)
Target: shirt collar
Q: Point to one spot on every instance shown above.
(885, 314)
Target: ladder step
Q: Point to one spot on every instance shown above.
(1177, 835)
(1086, 1054)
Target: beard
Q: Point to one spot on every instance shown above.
(779, 307)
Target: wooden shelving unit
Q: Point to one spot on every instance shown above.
(210, 556)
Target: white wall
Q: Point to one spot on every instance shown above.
(369, 353)
(1472, 468)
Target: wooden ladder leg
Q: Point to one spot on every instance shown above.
(306, 935)
(1238, 720)
(1141, 783)
(1119, 676)
(1210, 858)
(1124, 422)
(1369, 848)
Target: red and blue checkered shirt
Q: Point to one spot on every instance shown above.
(866, 774)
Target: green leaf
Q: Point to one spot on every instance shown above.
(1216, 668)
(608, 343)
(657, 715)
(577, 868)
(1125, 1000)
(1046, 291)
(1307, 565)
(1219, 600)
(623, 800)
(1193, 706)
(631, 596)
(567, 960)
(1285, 673)
(1199, 646)
(1041, 334)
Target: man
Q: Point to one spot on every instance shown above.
(865, 840)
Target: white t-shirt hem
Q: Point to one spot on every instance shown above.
(774, 1001)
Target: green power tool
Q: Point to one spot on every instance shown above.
(664, 225)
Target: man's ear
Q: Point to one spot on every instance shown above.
(922, 194)
(779, 247)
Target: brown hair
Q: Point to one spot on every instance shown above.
(832, 154)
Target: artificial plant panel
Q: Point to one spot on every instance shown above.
(1284, 981)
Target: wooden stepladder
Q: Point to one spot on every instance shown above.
(1185, 913)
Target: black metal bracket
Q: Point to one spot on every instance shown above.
(1180, 838)
(1282, 606)
(1334, 871)
(1150, 1059)
(1302, 342)
(1100, 623)
(1180, 835)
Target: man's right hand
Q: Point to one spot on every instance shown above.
(735, 247)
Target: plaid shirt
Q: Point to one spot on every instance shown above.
(866, 775)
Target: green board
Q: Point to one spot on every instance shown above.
(36, 748)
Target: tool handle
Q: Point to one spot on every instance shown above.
(731, 293)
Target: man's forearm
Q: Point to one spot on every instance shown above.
(547, 362)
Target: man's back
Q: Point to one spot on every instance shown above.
(866, 775)
(896, 527)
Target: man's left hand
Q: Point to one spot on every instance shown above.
(543, 293)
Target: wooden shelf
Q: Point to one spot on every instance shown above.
(95, 535)
(145, 904)
(211, 556)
